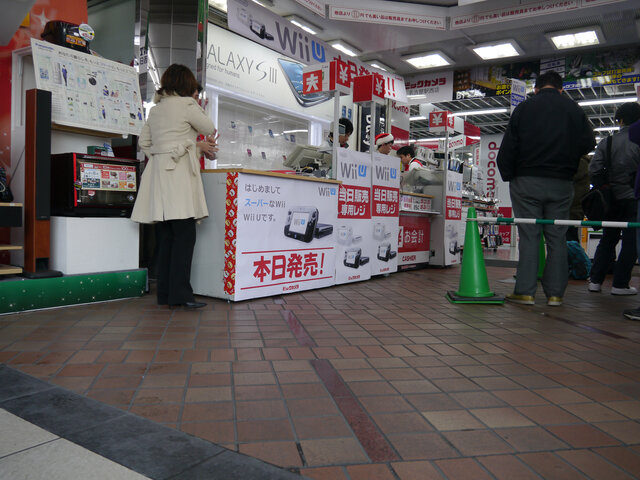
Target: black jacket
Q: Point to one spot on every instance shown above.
(546, 136)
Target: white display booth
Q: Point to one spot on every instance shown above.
(78, 244)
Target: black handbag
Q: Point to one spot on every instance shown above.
(597, 203)
(5, 192)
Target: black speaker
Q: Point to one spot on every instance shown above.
(37, 185)
(43, 155)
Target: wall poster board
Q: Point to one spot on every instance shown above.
(88, 92)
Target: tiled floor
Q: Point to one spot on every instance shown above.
(377, 380)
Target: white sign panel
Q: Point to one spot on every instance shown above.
(239, 65)
(88, 91)
(458, 141)
(453, 237)
(355, 248)
(513, 13)
(385, 209)
(271, 30)
(518, 92)
(285, 236)
(494, 186)
(315, 6)
(369, 16)
(437, 87)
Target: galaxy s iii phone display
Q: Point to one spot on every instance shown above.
(293, 73)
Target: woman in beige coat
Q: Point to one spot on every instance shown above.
(171, 193)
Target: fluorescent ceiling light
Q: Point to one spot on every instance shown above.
(345, 48)
(264, 3)
(609, 101)
(295, 131)
(428, 60)
(381, 66)
(219, 4)
(581, 37)
(419, 117)
(489, 111)
(304, 25)
(416, 97)
(501, 49)
(606, 129)
(431, 139)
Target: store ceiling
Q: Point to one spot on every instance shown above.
(388, 43)
(619, 22)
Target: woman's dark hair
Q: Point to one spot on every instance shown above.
(629, 113)
(406, 150)
(178, 79)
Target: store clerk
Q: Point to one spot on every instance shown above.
(345, 130)
(384, 142)
(407, 157)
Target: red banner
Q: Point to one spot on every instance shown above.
(385, 201)
(453, 208)
(354, 202)
(414, 233)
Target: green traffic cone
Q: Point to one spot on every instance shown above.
(474, 284)
(541, 257)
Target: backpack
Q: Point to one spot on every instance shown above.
(579, 263)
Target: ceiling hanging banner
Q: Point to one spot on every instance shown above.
(513, 13)
(366, 15)
(436, 87)
(271, 30)
(315, 6)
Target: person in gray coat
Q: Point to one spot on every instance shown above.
(621, 174)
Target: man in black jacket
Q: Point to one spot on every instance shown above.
(546, 136)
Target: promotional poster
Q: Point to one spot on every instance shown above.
(286, 236)
(269, 29)
(241, 66)
(354, 242)
(385, 206)
(88, 91)
(413, 239)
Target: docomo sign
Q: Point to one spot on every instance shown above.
(369, 88)
(441, 121)
(492, 166)
(327, 77)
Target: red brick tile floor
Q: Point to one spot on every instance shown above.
(376, 380)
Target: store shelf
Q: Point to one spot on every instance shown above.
(9, 270)
(426, 212)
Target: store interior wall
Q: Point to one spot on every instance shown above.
(113, 22)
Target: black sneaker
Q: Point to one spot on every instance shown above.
(632, 314)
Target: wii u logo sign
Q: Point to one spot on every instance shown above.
(327, 191)
(353, 171)
(386, 173)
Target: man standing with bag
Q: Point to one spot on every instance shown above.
(616, 162)
(546, 136)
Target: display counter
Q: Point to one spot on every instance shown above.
(414, 242)
(267, 234)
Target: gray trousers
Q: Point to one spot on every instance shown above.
(541, 197)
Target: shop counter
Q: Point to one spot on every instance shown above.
(267, 234)
(414, 242)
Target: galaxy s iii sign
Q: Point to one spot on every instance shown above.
(238, 65)
(266, 28)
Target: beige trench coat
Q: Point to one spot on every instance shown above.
(171, 187)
